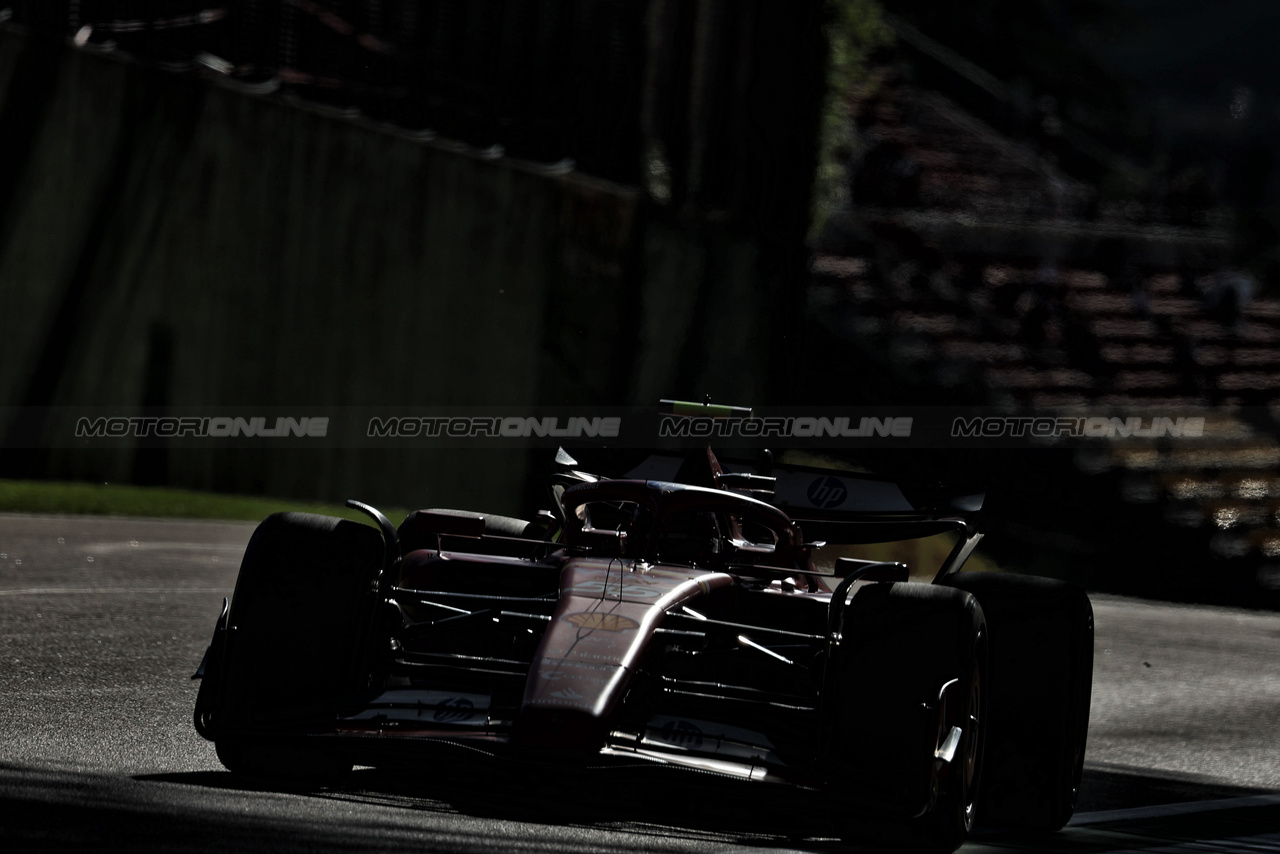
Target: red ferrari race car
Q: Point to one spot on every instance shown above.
(689, 619)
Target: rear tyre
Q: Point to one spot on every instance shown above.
(902, 642)
(296, 648)
(1041, 678)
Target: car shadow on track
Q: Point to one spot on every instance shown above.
(1122, 788)
(1121, 811)
(676, 814)
(661, 815)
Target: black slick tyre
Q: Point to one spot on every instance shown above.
(295, 647)
(1041, 677)
(910, 666)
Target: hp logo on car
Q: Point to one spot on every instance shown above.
(827, 492)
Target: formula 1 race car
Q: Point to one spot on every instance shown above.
(691, 618)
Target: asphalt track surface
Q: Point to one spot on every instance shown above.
(102, 622)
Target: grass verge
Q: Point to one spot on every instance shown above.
(105, 499)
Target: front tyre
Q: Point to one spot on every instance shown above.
(910, 666)
(1042, 672)
(294, 648)
(956, 808)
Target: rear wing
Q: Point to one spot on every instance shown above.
(830, 495)
(819, 493)
(847, 508)
(834, 494)
(831, 506)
